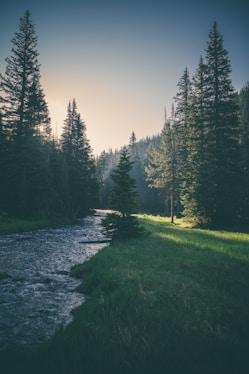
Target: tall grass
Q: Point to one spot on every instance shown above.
(175, 302)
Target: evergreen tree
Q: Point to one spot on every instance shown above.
(26, 128)
(83, 186)
(212, 176)
(162, 169)
(106, 162)
(224, 163)
(133, 145)
(123, 198)
(24, 109)
(244, 111)
(196, 194)
(138, 173)
(181, 116)
(147, 198)
(121, 224)
(60, 180)
(3, 163)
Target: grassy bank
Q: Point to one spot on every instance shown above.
(175, 302)
(10, 226)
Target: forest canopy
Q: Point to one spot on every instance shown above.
(197, 167)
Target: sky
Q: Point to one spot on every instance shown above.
(121, 60)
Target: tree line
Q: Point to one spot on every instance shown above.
(202, 160)
(198, 166)
(40, 176)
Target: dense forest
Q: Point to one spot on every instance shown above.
(40, 176)
(198, 166)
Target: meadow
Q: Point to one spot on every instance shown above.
(174, 302)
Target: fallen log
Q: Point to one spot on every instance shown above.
(95, 241)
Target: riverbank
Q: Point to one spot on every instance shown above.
(175, 302)
(35, 278)
(11, 226)
(14, 225)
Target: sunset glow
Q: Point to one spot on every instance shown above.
(121, 61)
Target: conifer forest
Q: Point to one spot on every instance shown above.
(197, 167)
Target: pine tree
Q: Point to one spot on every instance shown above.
(138, 173)
(122, 224)
(123, 197)
(24, 108)
(244, 118)
(181, 116)
(195, 195)
(26, 126)
(82, 179)
(163, 166)
(60, 180)
(105, 164)
(213, 164)
(3, 164)
(224, 163)
(67, 134)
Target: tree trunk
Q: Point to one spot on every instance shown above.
(172, 206)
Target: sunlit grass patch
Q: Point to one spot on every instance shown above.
(174, 302)
(235, 244)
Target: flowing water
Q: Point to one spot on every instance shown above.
(37, 293)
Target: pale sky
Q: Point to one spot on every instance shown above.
(121, 60)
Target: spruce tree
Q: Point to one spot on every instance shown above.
(244, 118)
(26, 125)
(181, 115)
(83, 186)
(122, 224)
(3, 166)
(163, 166)
(133, 146)
(138, 173)
(105, 163)
(123, 198)
(212, 178)
(223, 150)
(196, 196)
(24, 107)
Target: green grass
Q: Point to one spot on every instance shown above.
(9, 226)
(174, 302)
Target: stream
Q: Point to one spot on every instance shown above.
(37, 294)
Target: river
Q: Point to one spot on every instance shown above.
(37, 294)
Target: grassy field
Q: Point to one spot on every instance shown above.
(174, 302)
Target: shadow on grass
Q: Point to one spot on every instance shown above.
(175, 302)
